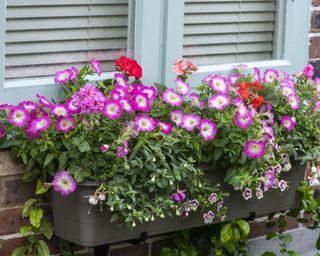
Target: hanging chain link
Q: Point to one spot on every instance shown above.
(239, 31)
(87, 40)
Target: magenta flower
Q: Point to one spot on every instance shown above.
(166, 128)
(194, 97)
(288, 123)
(39, 124)
(151, 91)
(44, 101)
(18, 116)
(179, 196)
(183, 88)
(308, 71)
(318, 104)
(63, 76)
(207, 79)
(233, 78)
(219, 101)
(219, 85)
(282, 185)
(270, 75)
(72, 105)
(207, 129)
(255, 149)
(120, 80)
(28, 105)
(59, 110)
(96, 66)
(172, 98)
(256, 75)
(140, 101)
(63, 183)
(269, 179)
(104, 148)
(190, 121)
(287, 91)
(177, 117)
(144, 123)
(123, 150)
(74, 73)
(243, 121)
(2, 131)
(65, 124)
(112, 109)
(126, 104)
(194, 204)
(247, 194)
(287, 82)
(294, 102)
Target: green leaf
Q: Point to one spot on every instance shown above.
(269, 254)
(244, 226)
(226, 233)
(229, 174)
(236, 234)
(19, 251)
(35, 217)
(43, 248)
(271, 235)
(27, 207)
(293, 253)
(48, 159)
(46, 229)
(62, 160)
(114, 217)
(24, 158)
(24, 230)
(40, 188)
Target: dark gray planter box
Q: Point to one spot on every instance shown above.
(72, 221)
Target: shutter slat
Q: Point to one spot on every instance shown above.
(216, 31)
(44, 36)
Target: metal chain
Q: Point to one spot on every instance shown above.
(239, 31)
(87, 40)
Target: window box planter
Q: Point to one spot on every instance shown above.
(72, 221)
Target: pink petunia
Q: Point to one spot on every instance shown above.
(270, 75)
(233, 78)
(269, 180)
(18, 116)
(104, 148)
(151, 91)
(255, 149)
(219, 85)
(39, 124)
(207, 129)
(308, 71)
(177, 117)
(243, 121)
(65, 124)
(63, 76)
(96, 66)
(256, 75)
(112, 109)
(294, 102)
(286, 91)
(120, 80)
(166, 128)
(140, 101)
(144, 123)
(63, 183)
(74, 73)
(72, 106)
(190, 121)
(59, 110)
(183, 88)
(126, 104)
(219, 101)
(44, 101)
(172, 98)
(288, 123)
(28, 105)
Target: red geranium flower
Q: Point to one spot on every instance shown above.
(257, 101)
(129, 66)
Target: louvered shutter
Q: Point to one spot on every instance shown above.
(43, 36)
(211, 30)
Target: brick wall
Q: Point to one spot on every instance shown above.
(314, 47)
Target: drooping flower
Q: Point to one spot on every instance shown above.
(255, 149)
(208, 217)
(219, 85)
(59, 110)
(243, 121)
(104, 148)
(194, 204)
(166, 128)
(172, 98)
(207, 129)
(269, 180)
(270, 75)
(219, 101)
(183, 88)
(213, 198)
(144, 123)
(256, 74)
(63, 76)
(179, 196)
(18, 116)
(140, 101)
(123, 150)
(240, 67)
(65, 124)
(74, 73)
(112, 109)
(259, 193)
(294, 102)
(96, 66)
(44, 101)
(308, 71)
(63, 183)
(288, 123)
(195, 100)
(39, 124)
(28, 105)
(177, 117)
(190, 121)
(184, 66)
(283, 185)
(247, 194)
(207, 79)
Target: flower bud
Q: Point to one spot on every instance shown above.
(93, 200)
(154, 159)
(129, 207)
(111, 208)
(153, 179)
(134, 224)
(313, 169)
(170, 182)
(162, 215)
(102, 196)
(185, 165)
(152, 218)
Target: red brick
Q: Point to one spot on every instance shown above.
(14, 191)
(134, 250)
(315, 21)
(7, 246)
(8, 165)
(315, 2)
(314, 50)
(10, 220)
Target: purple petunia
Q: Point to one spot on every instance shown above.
(256, 75)
(177, 117)
(123, 150)
(44, 101)
(18, 116)
(112, 109)
(28, 105)
(282, 185)
(172, 98)
(194, 204)
(233, 78)
(219, 85)
(144, 123)
(126, 104)
(255, 149)
(120, 80)
(213, 198)
(207, 129)
(166, 128)
(294, 102)
(219, 101)
(243, 121)
(96, 66)
(183, 88)
(140, 101)
(63, 76)
(190, 121)
(63, 183)
(286, 91)
(39, 124)
(179, 196)
(288, 123)
(65, 124)
(259, 193)
(59, 110)
(208, 217)
(270, 75)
